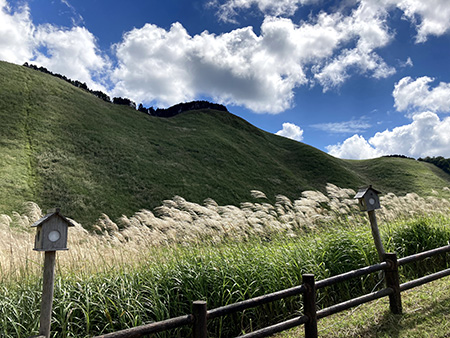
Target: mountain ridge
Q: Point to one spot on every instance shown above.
(61, 146)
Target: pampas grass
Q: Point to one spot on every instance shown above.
(152, 265)
(179, 222)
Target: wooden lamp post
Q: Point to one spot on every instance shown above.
(369, 201)
(51, 236)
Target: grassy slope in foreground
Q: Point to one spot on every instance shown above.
(61, 146)
(425, 314)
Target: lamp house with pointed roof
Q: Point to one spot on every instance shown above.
(368, 199)
(51, 232)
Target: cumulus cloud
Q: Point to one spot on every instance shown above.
(431, 17)
(292, 131)
(427, 135)
(367, 24)
(239, 67)
(262, 71)
(72, 52)
(257, 71)
(16, 31)
(355, 147)
(416, 94)
(434, 16)
(336, 72)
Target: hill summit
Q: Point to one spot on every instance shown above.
(62, 146)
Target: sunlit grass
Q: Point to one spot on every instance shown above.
(153, 265)
(61, 146)
(425, 314)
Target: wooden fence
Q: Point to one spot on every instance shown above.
(200, 316)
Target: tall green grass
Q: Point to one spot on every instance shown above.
(420, 235)
(166, 284)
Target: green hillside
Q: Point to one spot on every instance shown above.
(61, 146)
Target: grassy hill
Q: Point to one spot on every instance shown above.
(61, 146)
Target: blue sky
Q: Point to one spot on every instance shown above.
(356, 78)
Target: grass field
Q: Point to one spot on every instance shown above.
(61, 146)
(151, 252)
(150, 267)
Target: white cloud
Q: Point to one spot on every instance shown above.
(434, 15)
(346, 127)
(154, 65)
(427, 135)
(355, 147)
(367, 24)
(291, 131)
(416, 94)
(16, 31)
(336, 72)
(71, 52)
(229, 10)
(431, 17)
(407, 63)
(259, 72)
(239, 67)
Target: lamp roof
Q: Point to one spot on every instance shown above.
(50, 215)
(362, 191)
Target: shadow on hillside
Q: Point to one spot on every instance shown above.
(416, 321)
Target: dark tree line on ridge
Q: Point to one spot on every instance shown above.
(159, 112)
(400, 156)
(75, 83)
(181, 107)
(439, 161)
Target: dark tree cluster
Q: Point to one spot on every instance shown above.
(159, 112)
(124, 102)
(75, 83)
(400, 156)
(181, 107)
(439, 161)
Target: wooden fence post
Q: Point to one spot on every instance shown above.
(200, 319)
(369, 201)
(376, 234)
(47, 293)
(393, 281)
(309, 306)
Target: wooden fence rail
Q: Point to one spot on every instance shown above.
(308, 289)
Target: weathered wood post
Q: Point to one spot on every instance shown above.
(51, 236)
(309, 306)
(393, 282)
(200, 319)
(47, 293)
(369, 201)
